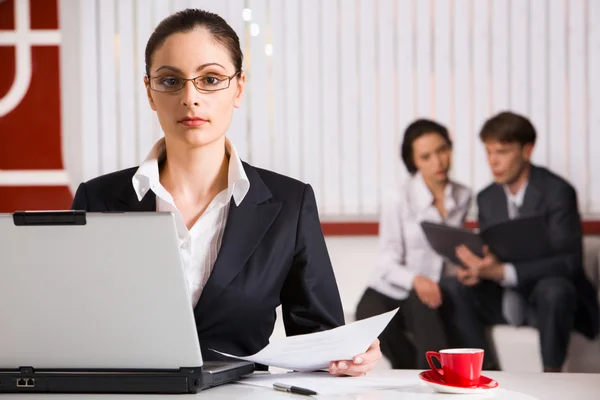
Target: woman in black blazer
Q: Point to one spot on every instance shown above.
(253, 237)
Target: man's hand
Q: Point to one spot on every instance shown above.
(428, 291)
(466, 277)
(486, 267)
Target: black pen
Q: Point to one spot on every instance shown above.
(293, 389)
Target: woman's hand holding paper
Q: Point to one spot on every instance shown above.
(359, 365)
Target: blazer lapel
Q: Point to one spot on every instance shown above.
(245, 228)
(533, 196)
(499, 210)
(127, 200)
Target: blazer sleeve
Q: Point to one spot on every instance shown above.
(310, 298)
(480, 214)
(80, 200)
(564, 225)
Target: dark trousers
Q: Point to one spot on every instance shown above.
(414, 330)
(467, 311)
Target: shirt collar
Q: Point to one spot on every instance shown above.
(423, 196)
(147, 175)
(518, 197)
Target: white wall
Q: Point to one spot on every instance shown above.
(330, 103)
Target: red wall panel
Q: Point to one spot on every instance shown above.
(30, 134)
(7, 10)
(43, 14)
(7, 70)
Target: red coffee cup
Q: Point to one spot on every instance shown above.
(462, 367)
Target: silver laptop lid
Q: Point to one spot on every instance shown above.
(108, 294)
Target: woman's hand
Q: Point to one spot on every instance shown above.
(428, 291)
(360, 365)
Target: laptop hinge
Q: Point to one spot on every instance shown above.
(188, 371)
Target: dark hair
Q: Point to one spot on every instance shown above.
(508, 127)
(189, 19)
(414, 131)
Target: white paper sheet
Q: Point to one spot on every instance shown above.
(325, 384)
(316, 350)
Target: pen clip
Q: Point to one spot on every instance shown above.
(281, 387)
(293, 389)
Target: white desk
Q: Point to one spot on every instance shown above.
(540, 386)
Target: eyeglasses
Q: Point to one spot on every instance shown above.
(203, 83)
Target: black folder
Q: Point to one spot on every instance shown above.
(516, 240)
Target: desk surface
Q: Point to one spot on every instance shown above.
(536, 386)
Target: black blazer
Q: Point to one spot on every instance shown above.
(554, 198)
(273, 252)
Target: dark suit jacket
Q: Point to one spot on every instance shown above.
(552, 197)
(273, 252)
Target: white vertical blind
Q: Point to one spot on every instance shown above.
(404, 86)
(463, 102)
(539, 77)
(88, 89)
(577, 98)
(592, 117)
(441, 72)
(500, 48)
(332, 84)
(481, 86)
(311, 109)
(519, 56)
(239, 122)
(291, 86)
(145, 118)
(349, 101)
(258, 87)
(278, 98)
(422, 52)
(127, 78)
(385, 117)
(106, 79)
(557, 130)
(368, 181)
(329, 70)
(158, 12)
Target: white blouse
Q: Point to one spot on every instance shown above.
(404, 251)
(199, 246)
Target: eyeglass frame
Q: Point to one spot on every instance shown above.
(186, 80)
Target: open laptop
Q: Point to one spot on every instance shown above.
(98, 303)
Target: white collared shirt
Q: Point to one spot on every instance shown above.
(404, 251)
(200, 245)
(514, 202)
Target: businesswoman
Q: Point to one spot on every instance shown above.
(408, 270)
(250, 238)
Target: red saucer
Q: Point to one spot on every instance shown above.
(485, 384)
